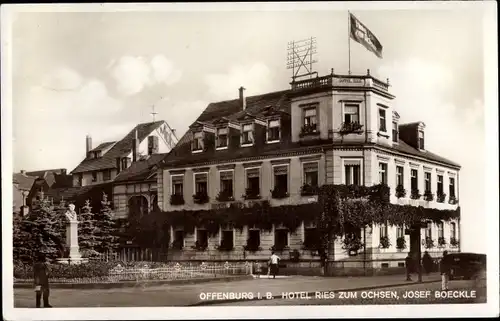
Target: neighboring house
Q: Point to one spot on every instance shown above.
(103, 164)
(22, 184)
(336, 129)
(46, 180)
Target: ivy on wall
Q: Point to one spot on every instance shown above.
(337, 206)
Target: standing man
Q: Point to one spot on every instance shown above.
(41, 279)
(274, 261)
(445, 271)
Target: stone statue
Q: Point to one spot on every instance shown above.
(71, 214)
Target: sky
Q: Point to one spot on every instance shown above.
(77, 73)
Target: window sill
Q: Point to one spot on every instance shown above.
(197, 151)
(221, 148)
(247, 145)
(383, 134)
(272, 141)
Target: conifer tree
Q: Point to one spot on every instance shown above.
(22, 243)
(105, 228)
(87, 231)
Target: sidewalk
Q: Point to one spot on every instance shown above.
(191, 294)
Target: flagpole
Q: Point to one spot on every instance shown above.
(349, 37)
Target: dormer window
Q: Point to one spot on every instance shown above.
(421, 139)
(247, 135)
(222, 138)
(97, 154)
(382, 120)
(273, 131)
(197, 142)
(394, 131)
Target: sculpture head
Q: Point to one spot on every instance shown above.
(72, 207)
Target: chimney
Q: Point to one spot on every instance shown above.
(135, 147)
(243, 100)
(23, 172)
(88, 144)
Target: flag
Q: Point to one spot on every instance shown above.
(361, 34)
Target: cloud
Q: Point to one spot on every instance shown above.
(256, 78)
(133, 74)
(452, 131)
(51, 120)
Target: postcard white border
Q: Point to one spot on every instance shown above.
(290, 312)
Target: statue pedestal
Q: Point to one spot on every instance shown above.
(72, 240)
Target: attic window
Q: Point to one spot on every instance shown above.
(273, 131)
(394, 131)
(197, 142)
(421, 139)
(97, 154)
(247, 135)
(222, 138)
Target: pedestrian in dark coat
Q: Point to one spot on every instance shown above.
(41, 280)
(444, 268)
(427, 262)
(409, 267)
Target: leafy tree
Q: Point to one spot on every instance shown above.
(105, 228)
(87, 239)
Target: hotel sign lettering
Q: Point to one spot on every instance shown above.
(348, 82)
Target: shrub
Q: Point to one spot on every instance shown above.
(441, 241)
(400, 191)
(384, 242)
(429, 243)
(453, 241)
(401, 243)
(68, 271)
(428, 196)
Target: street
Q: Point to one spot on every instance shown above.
(199, 294)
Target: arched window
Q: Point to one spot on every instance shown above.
(138, 206)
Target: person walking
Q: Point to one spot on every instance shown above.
(445, 271)
(427, 262)
(273, 264)
(41, 280)
(409, 267)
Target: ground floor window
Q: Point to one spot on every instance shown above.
(280, 239)
(253, 241)
(178, 242)
(227, 240)
(201, 239)
(311, 238)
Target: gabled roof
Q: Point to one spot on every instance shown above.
(24, 182)
(120, 149)
(102, 146)
(140, 170)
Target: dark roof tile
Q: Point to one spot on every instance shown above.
(25, 182)
(121, 148)
(140, 170)
(102, 146)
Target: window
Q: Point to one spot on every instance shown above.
(352, 174)
(280, 239)
(427, 182)
(311, 238)
(428, 231)
(382, 171)
(153, 145)
(310, 116)
(125, 163)
(440, 229)
(253, 182)
(226, 183)
(281, 178)
(253, 241)
(94, 176)
(178, 240)
(201, 238)
(247, 135)
(399, 175)
(198, 141)
(400, 232)
(227, 240)
(106, 175)
(452, 186)
(177, 184)
(200, 183)
(421, 139)
(222, 137)
(97, 154)
(383, 230)
(414, 180)
(440, 184)
(311, 174)
(80, 179)
(351, 114)
(453, 230)
(382, 120)
(273, 132)
(394, 131)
